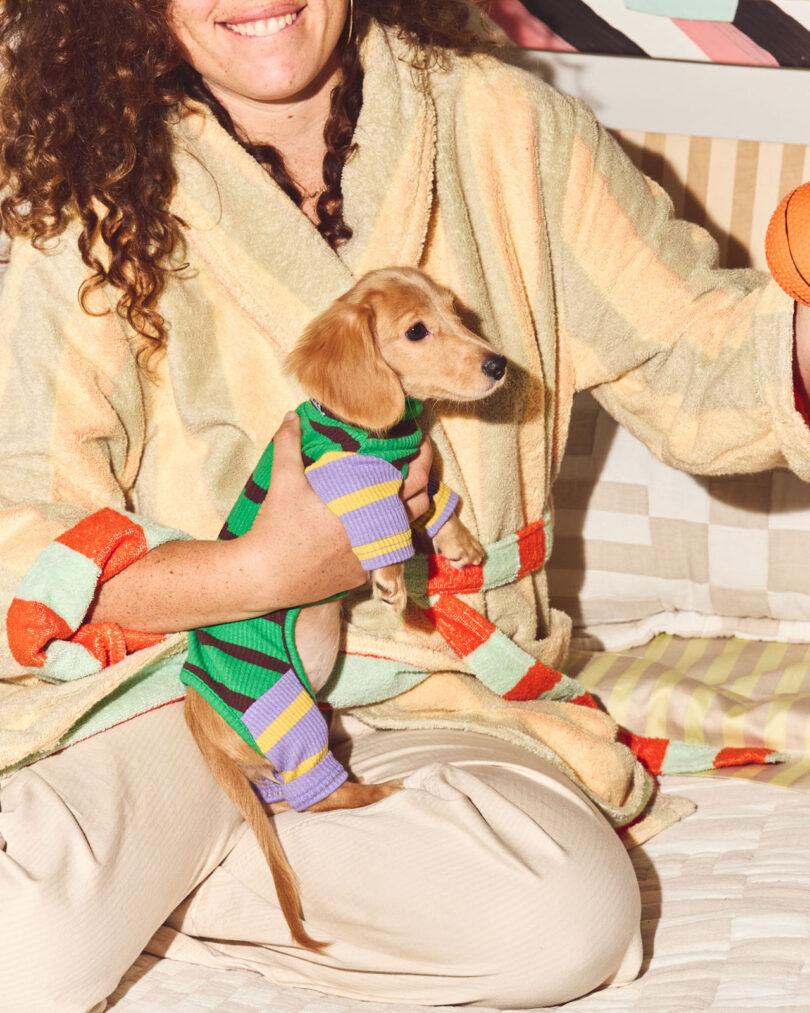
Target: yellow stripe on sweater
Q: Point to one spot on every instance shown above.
(330, 455)
(284, 722)
(383, 545)
(362, 497)
(304, 766)
(440, 501)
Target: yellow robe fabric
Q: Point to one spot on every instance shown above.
(500, 188)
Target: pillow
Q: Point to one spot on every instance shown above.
(640, 548)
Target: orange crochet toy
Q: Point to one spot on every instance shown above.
(787, 244)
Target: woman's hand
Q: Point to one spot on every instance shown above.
(297, 548)
(293, 515)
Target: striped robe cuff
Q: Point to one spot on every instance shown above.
(45, 626)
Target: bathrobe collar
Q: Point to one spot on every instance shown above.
(252, 236)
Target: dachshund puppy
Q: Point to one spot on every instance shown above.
(366, 361)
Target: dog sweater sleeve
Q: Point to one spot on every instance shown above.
(443, 501)
(363, 491)
(245, 671)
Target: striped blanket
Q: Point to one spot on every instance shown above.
(710, 690)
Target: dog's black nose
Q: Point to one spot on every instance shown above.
(494, 366)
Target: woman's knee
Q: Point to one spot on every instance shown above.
(545, 935)
(556, 941)
(52, 956)
(566, 920)
(464, 892)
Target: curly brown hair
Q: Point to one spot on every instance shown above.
(87, 93)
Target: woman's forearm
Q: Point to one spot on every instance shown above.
(185, 584)
(296, 551)
(182, 585)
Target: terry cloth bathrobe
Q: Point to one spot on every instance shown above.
(512, 196)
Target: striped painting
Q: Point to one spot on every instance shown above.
(767, 33)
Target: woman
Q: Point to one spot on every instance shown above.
(222, 173)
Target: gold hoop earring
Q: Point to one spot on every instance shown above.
(350, 23)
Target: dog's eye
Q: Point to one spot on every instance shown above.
(417, 332)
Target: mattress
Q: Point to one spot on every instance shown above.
(726, 922)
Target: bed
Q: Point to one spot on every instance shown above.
(691, 603)
(726, 923)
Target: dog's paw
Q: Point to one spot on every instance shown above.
(354, 795)
(459, 547)
(388, 585)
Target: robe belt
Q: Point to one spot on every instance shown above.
(514, 674)
(504, 667)
(505, 561)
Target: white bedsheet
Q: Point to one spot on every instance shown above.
(726, 923)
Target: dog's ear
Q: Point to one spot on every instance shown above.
(337, 361)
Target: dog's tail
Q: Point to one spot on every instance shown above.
(225, 753)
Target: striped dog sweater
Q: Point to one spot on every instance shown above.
(250, 671)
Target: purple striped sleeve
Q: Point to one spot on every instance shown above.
(443, 501)
(291, 732)
(363, 491)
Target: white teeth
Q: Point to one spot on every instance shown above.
(261, 29)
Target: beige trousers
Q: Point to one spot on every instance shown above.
(488, 881)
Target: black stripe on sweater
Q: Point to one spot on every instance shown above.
(400, 462)
(241, 653)
(254, 492)
(403, 428)
(338, 436)
(238, 701)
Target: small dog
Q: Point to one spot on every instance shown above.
(393, 338)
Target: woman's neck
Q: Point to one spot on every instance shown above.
(294, 127)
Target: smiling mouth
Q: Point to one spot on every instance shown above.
(264, 28)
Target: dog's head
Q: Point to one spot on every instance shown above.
(394, 333)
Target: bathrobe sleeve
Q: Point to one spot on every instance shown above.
(695, 361)
(71, 436)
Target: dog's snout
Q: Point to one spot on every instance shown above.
(494, 366)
